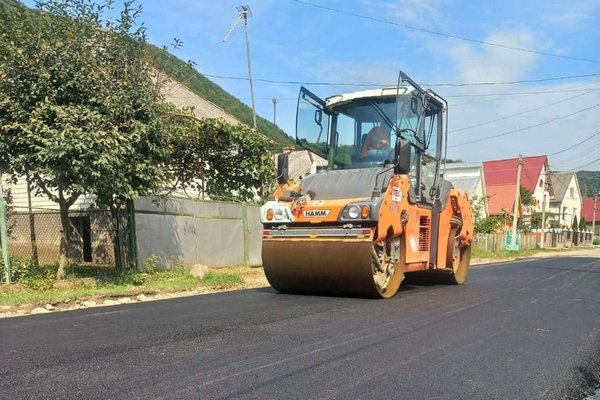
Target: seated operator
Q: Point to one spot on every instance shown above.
(376, 145)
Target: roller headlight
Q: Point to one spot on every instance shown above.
(353, 212)
(273, 211)
(357, 212)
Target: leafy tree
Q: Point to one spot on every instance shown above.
(582, 224)
(554, 224)
(527, 198)
(79, 112)
(224, 162)
(575, 225)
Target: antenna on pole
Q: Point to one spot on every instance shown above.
(244, 13)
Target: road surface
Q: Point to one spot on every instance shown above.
(520, 330)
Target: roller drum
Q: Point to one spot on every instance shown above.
(321, 266)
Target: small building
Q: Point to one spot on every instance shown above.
(301, 162)
(468, 177)
(501, 183)
(590, 204)
(566, 204)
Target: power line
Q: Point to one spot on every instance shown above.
(292, 82)
(586, 165)
(575, 145)
(524, 128)
(520, 113)
(522, 93)
(447, 35)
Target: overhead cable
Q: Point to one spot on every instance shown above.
(292, 82)
(524, 128)
(414, 28)
(520, 113)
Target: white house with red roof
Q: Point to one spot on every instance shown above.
(501, 184)
(565, 206)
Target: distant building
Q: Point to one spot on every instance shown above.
(587, 212)
(468, 177)
(501, 184)
(567, 201)
(302, 162)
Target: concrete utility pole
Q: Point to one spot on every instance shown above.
(245, 12)
(513, 236)
(274, 110)
(543, 238)
(594, 218)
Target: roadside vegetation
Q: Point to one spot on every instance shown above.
(82, 113)
(37, 285)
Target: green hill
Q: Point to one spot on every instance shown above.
(203, 87)
(589, 182)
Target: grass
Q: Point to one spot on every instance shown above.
(132, 284)
(482, 253)
(503, 254)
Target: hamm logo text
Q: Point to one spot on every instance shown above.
(316, 213)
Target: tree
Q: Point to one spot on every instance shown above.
(527, 198)
(79, 111)
(582, 224)
(575, 225)
(223, 161)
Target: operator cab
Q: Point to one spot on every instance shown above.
(359, 130)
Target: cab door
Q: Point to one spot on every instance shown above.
(312, 123)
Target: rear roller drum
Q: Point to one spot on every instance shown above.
(458, 260)
(388, 274)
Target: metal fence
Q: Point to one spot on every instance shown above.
(495, 242)
(96, 236)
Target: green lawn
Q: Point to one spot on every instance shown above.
(77, 288)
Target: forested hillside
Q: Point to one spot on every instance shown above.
(203, 87)
(589, 182)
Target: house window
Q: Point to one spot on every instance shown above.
(572, 191)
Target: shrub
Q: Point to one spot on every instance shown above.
(28, 274)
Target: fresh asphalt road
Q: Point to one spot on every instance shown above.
(521, 330)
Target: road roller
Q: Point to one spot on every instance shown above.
(380, 210)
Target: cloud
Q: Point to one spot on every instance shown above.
(410, 12)
(572, 15)
(477, 63)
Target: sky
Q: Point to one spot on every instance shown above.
(553, 45)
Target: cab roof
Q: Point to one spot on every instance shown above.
(340, 99)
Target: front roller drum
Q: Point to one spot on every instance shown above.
(332, 267)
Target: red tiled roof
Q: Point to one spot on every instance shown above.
(587, 210)
(504, 172)
(501, 199)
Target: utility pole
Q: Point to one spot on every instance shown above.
(245, 12)
(594, 218)
(274, 110)
(543, 239)
(513, 236)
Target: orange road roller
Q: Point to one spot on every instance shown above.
(380, 210)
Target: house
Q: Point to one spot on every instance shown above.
(469, 178)
(590, 204)
(301, 162)
(501, 183)
(567, 201)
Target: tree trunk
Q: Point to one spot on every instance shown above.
(63, 262)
